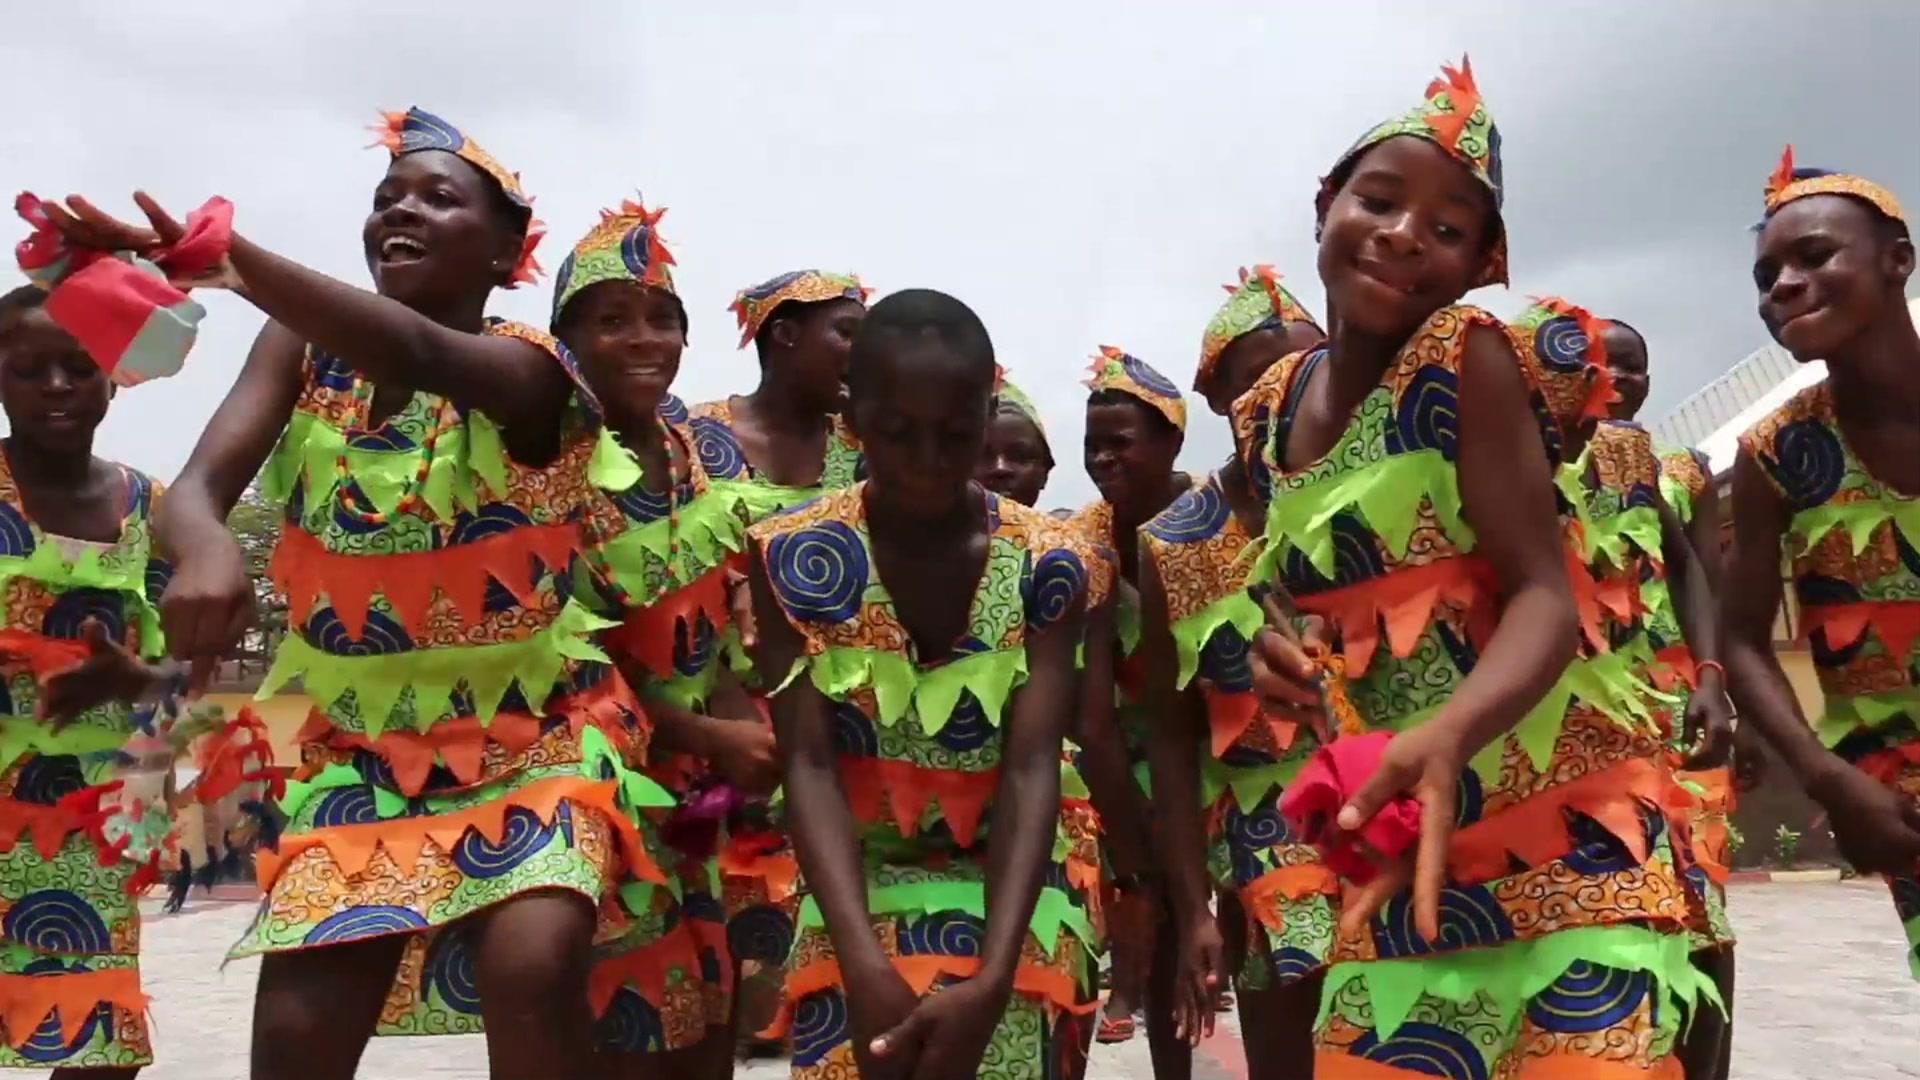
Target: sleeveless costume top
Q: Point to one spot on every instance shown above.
(1853, 553)
(469, 740)
(76, 846)
(1201, 552)
(729, 471)
(1563, 822)
(1852, 550)
(919, 741)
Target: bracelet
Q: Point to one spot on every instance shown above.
(1701, 667)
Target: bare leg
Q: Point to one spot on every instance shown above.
(1172, 1057)
(531, 970)
(1276, 1029)
(1707, 1052)
(315, 1009)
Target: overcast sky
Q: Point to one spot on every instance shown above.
(1080, 173)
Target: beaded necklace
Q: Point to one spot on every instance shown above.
(360, 412)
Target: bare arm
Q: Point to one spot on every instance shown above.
(1026, 812)
(1747, 608)
(1173, 754)
(1506, 489)
(513, 382)
(824, 837)
(1103, 756)
(209, 601)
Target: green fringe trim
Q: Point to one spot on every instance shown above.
(899, 686)
(121, 569)
(1678, 497)
(1610, 682)
(762, 500)
(470, 454)
(689, 692)
(1513, 973)
(1191, 634)
(1849, 713)
(20, 735)
(1386, 493)
(1252, 783)
(488, 671)
(1054, 911)
(1860, 519)
(711, 528)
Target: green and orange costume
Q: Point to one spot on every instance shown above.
(76, 847)
(1562, 947)
(1852, 551)
(470, 742)
(920, 751)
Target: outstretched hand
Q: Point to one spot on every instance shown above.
(86, 225)
(1423, 763)
(109, 673)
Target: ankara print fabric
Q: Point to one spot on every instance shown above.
(920, 740)
(70, 926)
(1852, 552)
(1564, 824)
(470, 742)
(1201, 553)
(726, 464)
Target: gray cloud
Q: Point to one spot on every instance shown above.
(1080, 173)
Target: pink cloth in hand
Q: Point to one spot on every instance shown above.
(122, 306)
(1334, 774)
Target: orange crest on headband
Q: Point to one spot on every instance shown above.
(1462, 93)
(1601, 392)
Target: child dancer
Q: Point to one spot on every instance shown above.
(927, 631)
(1219, 761)
(1136, 422)
(80, 568)
(665, 983)
(463, 806)
(1018, 460)
(1831, 481)
(1413, 508)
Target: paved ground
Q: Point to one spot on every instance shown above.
(1823, 993)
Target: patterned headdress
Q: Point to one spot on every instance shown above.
(1561, 347)
(752, 306)
(1258, 302)
(625, 246)
(1008, 396)
(1788, 183)
(417, 129)
(1456, 119)
(1115, 370)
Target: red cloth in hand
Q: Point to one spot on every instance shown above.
(123, 307)
(1334, 774)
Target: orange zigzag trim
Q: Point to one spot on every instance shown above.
(1594, 599)
(920, 972)
(780, 869)
(1896, 621)
(1710, 820)
(27, 1000)
(1231, 712)
(48, 825)
(907, 788)
(645, 969)
(1535, 830)
(647, 634)
(1673, 667)
(1262, 896)
(43, 655)
(303, 569)
(352, 846)
(461, 743)
(1404, 601)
